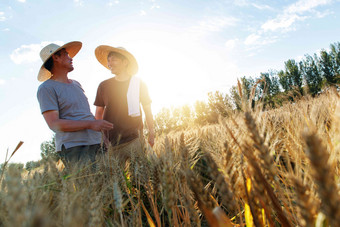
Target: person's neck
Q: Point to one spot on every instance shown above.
(122, 76)
(60, 77)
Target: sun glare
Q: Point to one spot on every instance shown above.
(172, 73)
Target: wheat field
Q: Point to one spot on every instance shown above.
(276, 167)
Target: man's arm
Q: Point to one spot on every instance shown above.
(149, 122)
(56, 124)
(99, 113)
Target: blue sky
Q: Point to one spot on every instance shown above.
(184, 49)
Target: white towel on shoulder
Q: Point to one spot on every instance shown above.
(133, 97)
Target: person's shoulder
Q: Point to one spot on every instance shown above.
(47, 88)
(142, 83)
(76, 82)
(45, 85)
(107, 81)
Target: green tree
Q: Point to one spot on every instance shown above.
(19, 166)
(327, 67)
(247, 85)
(275, 85)
(32, 165)
(285, 81)
(187, 116)
(236, 97)
(268, 88)
(335, 54)
(202, 112)
(241, 94)
(48, 149)
(176, 117)
(166, 120)
(219, 104)
(269, 84)
(311, 74)
(293, 72)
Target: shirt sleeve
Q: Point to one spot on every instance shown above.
(144, 94)
(47, 98)
(99, 101)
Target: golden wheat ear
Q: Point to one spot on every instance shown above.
(324, 177)
(306, 202)
(6, 161)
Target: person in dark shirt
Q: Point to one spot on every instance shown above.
(118, 99)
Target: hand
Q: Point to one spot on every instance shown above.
(151, 138)
(99, 125)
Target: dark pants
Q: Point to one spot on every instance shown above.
(79, 156)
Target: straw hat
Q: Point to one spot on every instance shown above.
(72, 49)
(103, 51)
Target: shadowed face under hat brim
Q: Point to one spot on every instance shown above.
(103, 51)
(72, 49)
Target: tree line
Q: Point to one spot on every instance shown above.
(310, 76)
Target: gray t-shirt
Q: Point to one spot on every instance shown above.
(72, 104)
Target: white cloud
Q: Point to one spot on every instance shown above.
(2, 82)
(209, 25)
(298, 11)
(155, 6)
(323, 14)
(284, 22)
(230, 44)
(302, 6)
(2, 16)
(79, 2)
(146, 7)
(241, 2)
(112, 3)
(5, 30)
(142, 13)
(260, 6)
(215, 24)
(23, 1)
(247, 3)
(251, 39)
(29, 53)
(257, 40)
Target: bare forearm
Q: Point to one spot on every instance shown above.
(149, 118)
(149, 122)
(57, 124)
(70, 125)
(99, 113)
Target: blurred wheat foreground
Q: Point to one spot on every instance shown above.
(275, 167)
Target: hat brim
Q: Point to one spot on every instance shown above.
(103, 51)
(72, 49)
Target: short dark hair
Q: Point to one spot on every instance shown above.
(49, 63)
(118, 55)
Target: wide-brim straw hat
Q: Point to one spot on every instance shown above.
(72, 49)
(103, 51)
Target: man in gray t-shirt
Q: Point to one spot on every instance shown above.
(65, 107)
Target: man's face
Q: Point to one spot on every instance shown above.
(116, 64)
(64, 60)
